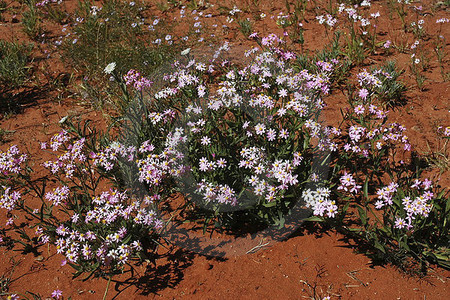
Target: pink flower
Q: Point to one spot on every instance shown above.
(271, 135)
(253, 35)
(359, 110)
(10, 221)
(205, 141)
(57, 294)
(427, 184)
(363, 93)
(400, 223)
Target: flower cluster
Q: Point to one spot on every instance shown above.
(9, 198)
(328, 19)
(218, 193)
(138, 81)
(271, 106)
(319, 201)
(165, 117)
(67, 161)
(410, 207)
(385, 195)
(348, 183)
(109, 156)
(155, 167)
(368, 138)
(11, 160)
(352, 14)
(207, 165)
(267, 179)
(80, 241)
(58, 196)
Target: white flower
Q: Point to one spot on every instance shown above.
(186, 51)
(205, 141)
(63, 120)
(110, 68)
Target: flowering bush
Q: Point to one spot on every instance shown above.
(405, 217)
(243, 147)
(97, 231)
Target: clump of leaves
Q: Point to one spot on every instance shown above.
(115, 32)
(439, 157)
(15, 62)
(391, 90)
(31, 21)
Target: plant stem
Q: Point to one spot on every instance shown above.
(107, 287)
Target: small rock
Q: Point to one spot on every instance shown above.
(39, 258)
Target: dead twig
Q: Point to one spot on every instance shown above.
(351, 274)
(258, 247)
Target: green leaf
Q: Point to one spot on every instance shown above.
(270, 204)
(362, 215)
(345, 208)
(379, 246)
(441, 193)
(354, 229)
(366, 188)
(314, 219)
(405, 245)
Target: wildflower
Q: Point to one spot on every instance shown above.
(359, 110)
(205, 141)
(400, 223)
(271, 135)
(447, 131)
(221, 163)
(284, 134)
(58, 195)
(57, 294)
(363, 93)
(185, 51)
(314, 177)
(75, 217)
(427, 184)
(9, 199)
(283, 93)
(260, 129)
(110, 68)
(387, 44)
